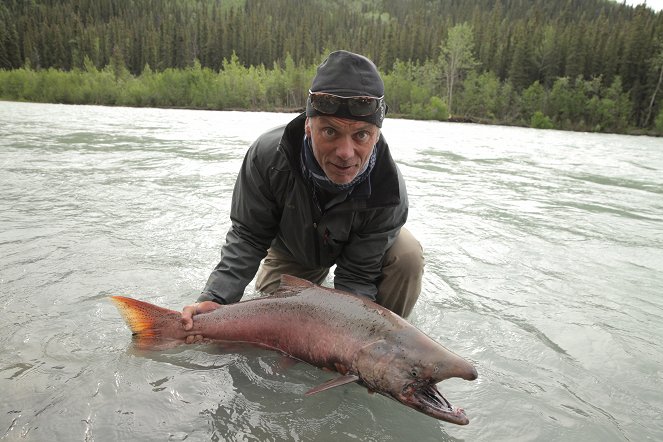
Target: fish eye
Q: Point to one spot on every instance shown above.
(414, 372)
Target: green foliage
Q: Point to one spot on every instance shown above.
(436, 109)
(456, 57)
(578, 105)
(235, 87)
(610, 109)
(588, 105)
(540, 121)
(590, 65)
(10, 56)
(480, 97)
(534, 99)
(656, 68)
(401, 85)
(659, 122)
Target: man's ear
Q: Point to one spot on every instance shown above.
(307, 127)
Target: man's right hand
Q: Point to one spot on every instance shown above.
(190, 311)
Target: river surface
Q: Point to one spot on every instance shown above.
(544, 267)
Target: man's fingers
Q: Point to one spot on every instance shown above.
(190, 311)
(192, 339)
(187, 317)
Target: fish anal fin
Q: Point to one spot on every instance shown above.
(293, 281)
(334, 382)
(287, 362)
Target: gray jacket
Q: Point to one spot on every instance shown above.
(273, 206)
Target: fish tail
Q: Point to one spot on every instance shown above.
(152, 326)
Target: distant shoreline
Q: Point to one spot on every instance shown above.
(461, 120)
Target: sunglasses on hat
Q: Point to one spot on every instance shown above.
(357, 106)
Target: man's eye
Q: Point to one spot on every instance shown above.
(328, 131)
(362, 136)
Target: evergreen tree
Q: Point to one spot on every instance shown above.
(567, 46)
(10, 55)
(656, 66)
(522, 69)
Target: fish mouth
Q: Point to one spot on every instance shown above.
(426, 398)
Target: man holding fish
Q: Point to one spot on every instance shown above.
(322, 191)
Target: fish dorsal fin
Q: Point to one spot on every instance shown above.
(334, 382)
(293, 281)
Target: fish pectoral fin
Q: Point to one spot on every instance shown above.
(334, 382)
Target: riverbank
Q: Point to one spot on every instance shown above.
(280, 90)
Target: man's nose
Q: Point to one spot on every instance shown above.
(345, 148)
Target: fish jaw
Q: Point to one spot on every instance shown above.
(423, 395)
(391, 371)
(427, 399)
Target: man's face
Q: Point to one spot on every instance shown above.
(341, 146)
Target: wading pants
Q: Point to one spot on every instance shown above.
(398, 287)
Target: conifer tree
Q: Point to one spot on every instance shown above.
(656, 66)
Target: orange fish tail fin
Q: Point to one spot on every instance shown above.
(152, 326)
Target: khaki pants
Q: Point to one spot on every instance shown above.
(399, 285)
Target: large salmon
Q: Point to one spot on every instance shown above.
(327, 328)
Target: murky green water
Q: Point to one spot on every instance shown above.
(544, 267)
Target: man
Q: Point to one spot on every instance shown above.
(322, 190)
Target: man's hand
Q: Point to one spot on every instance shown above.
(190, 311)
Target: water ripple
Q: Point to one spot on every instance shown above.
(544, 264)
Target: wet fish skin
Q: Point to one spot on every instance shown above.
(327, 328)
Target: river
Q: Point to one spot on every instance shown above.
(544, 267)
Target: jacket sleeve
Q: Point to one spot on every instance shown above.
(255, 216)
(359, 267)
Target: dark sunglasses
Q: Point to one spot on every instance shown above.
(357, 106)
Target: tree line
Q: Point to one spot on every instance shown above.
(569, 64)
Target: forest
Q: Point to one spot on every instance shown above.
(590, 65)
